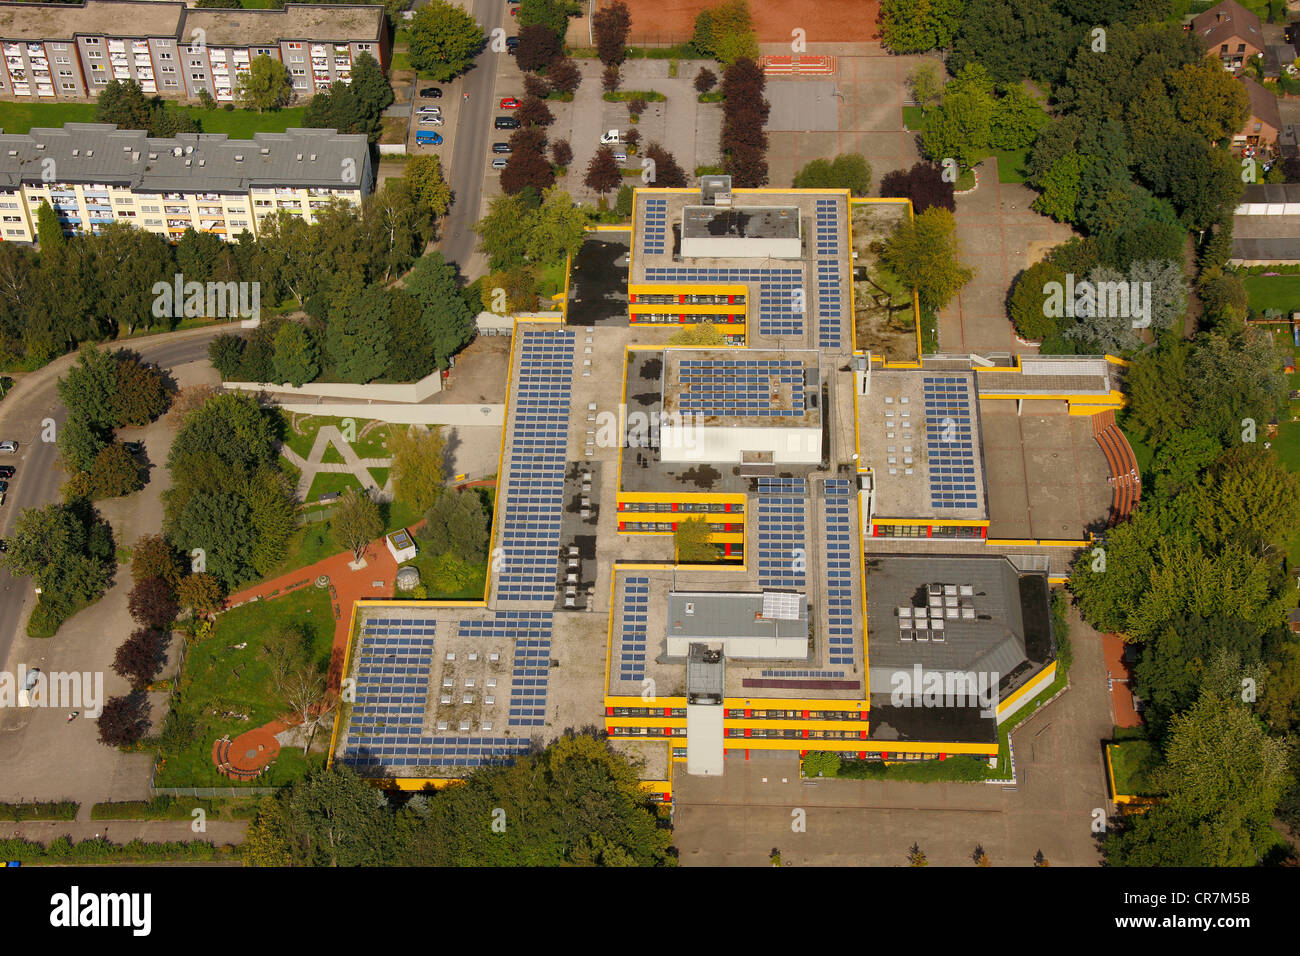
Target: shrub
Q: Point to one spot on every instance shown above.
(705, 80)
(124, 720)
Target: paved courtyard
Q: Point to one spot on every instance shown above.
(737, 819)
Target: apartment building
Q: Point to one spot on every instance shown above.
(93, 173)
(64, 51)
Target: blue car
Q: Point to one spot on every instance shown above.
(427, 137)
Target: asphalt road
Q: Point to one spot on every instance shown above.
(23, 412)
(471, 157)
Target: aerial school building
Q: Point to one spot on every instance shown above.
(859, 603)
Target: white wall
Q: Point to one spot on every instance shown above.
(724, 445)
(408, 414)
(764, 648)
(407, 392)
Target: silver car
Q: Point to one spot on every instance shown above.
(9, 447)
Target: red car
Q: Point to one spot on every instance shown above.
(510, 103)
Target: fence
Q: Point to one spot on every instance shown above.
(211, 793)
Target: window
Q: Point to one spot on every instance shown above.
(94, 54)
(295, 46)
(299, 71)
(164, 56)
(198, 76)
(62, 60)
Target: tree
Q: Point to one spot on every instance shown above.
(534, 112)
(539, 47)
(309, 701)
(357, 344)
(503, 232)
(49, 231)
(139, 659)
(557, 228)
(1223, 294)
(847, 171)
(611, 26)
(356, 522)
(1016, 119)
(1234, 377)
(603, 173)
(154, 557)
(265, 85)
(632, 139)
(960, 126)
(705, 80)
(611, 78)
(564, 75)
(667, 174)
(55, 546)
(200, 593)
(527, 165)
(113, 473)
(915, 26)
(691, 538)
(537, 86)
(124, 720)
(330, 818)
(457, 524)
(730, 33)
(225, 352)
(373, 92)
(152, 603)
(1249, 498)
(444, 40)
(447, 322)
(923, 252)
(923, 184)
(1027, 304)
(431, 190)
(561, 152)
(297, 359)
(80, 442)
(925, 84)
(417, 469)
(1208, 100)
(553, 14)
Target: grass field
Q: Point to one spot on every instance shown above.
(1132, 762)
(220, 678)
(327, 482)
(371, 444)
(1273, 292)
(237, 124)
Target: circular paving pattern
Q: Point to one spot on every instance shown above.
(245, 757)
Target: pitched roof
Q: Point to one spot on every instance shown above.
(1226, 21)
(1263, 104)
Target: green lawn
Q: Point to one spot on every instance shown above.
(327, 482)
(551, 279)
(1273, 292)
(1011, 164)
(380, 475)
(332, 455)
(238, 123)
(440, 587)
(912, 116)
(371, 444)
(1132, 762)
(219, 678)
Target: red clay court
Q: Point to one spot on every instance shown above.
(824, 21)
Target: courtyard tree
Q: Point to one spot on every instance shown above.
(603, 173)
(924, 253)
(356, 521)
(265, 85)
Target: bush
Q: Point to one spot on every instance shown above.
(124, 720)
(39, 810)
(705, 80)
(46, 619)
(821, 764)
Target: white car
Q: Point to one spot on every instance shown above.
(430, 120)
(9, 447)
(430, 110)
(609, 139)
(620, 157)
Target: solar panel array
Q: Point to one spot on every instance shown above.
(531, 632)
(535, 453)
(782, 535)
(830, 307)
(950, 442)
(632, 634)
(828, 227)
(654, 232)
(780, 292)
(384, 729)
(803, 674)
(740, 387)
(836, 502)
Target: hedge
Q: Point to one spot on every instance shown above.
(62, 850)
(174, 808)
(623, 96)
(40, 810)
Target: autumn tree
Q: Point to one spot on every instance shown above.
(923, 252)
(611, 25)
(201, 593)
(603, 173)
(356, 522)
(152, 603)
(139, 659)
(417, 469)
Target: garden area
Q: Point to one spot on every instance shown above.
(371, 439)
(227, 686)
(1131, 763)
(235, 123)
(885, 321)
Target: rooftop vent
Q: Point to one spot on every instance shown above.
(266, 151)
(300, 157)
(239, 157)
(153, 155)
(313, 157)
(76, 152)
(178, 151)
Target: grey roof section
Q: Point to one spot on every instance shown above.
(1266, 250)
(746, 222)
(994, 642)
(209, 162)
(706, 675)
(1271, 193)
(717, 615)
(1288, 140)
(113, 18)
(1277, 57)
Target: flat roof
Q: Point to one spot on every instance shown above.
(310, 22)
(919, 430)
(209, 162)
(114, 18)
(996, 620)
(714, 615)
(745, 222)
(751, 388)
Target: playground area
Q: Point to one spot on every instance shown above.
(670, 22)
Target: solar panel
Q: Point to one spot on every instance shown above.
(950, 442)
(782, 536)
(837, 499)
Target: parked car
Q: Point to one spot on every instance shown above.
(510, 103)
(609, 139)
(4, 486)
(430, 121)
(430, 110)
(9, 447)
(6, 471)
(498, 163)
(496, 148)
(620, 157)
(432, 92)
(512, 44)
(427, 137)
(506, 122)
